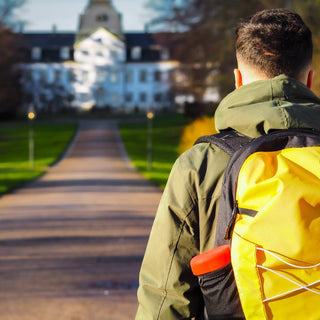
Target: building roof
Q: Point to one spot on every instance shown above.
(50, 43)
(49, 39)
(60, 39)
(139, 39)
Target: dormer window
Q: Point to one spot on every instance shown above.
(64, 53)
(36, 53)
(165, 54)
(136, 53)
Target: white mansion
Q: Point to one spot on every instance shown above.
(99, 66)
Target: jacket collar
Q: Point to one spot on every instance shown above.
(261, 106)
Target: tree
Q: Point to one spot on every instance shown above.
(10, 42)
(7, 8)
(203, 35)
(10, 89)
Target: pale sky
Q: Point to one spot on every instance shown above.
(41, 15)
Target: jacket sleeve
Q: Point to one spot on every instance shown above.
(167, 288)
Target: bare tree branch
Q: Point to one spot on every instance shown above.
(7, 8)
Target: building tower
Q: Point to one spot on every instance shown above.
(99, 14)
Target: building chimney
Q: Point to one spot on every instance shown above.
(146, 28)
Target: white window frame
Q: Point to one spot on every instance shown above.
(143, 97)
(157, 75)
(101, 75)
(36, 53)
(136, 53)
(57, 76)
(64, 53)
(157, 97)
(85, 76)
(128, 97)
(129, 76)
(143, 76)
(114, 76)
(114, 97)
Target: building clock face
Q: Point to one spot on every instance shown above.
(102, 17)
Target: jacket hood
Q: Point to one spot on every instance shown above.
(264, 105)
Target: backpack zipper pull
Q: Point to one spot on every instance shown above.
(232, 221)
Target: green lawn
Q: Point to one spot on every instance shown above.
(166, 133)
(50, 140)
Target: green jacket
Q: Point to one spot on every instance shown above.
(186, 218)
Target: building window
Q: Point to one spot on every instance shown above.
(102, 17)
(143, 97)
(114, 76)
(85, 97)
(129, 97)
(101, 75)
(165, 54)
(100, 96)
(157, 97)
(57, 76)
(114, 54)
(64, 53)
(36, 53)
(114, 97)
(143, 76)
(71, 75)
(43, 76)
(85, 76)
(129, 76)
(136, 53)
(27, 74)
(157, 76)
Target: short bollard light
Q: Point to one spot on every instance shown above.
(31, 117)
(150, 116)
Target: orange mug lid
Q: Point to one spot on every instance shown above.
(211, 260)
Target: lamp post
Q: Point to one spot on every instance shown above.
(150, 116)
(31, 117)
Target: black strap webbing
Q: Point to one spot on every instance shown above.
(229, 141)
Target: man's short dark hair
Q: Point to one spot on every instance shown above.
(275, 42)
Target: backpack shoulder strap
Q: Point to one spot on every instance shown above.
(228, 140)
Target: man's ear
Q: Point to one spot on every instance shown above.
(237, 78)
(310, 78)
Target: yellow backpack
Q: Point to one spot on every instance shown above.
(269, 214)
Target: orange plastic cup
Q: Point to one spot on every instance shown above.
(211, 260)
